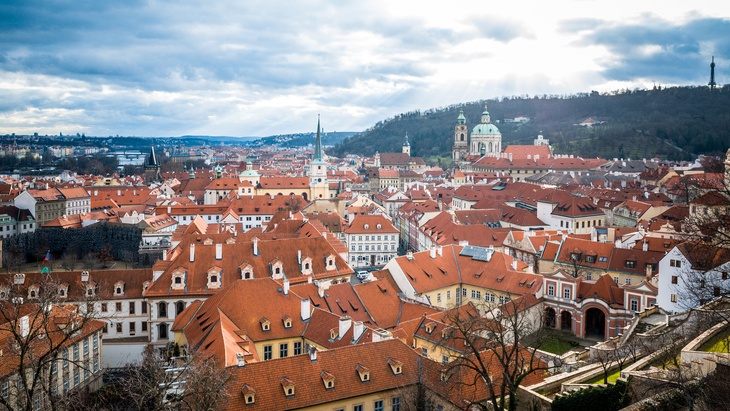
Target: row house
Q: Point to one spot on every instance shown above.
(692, 274)
(200, 267)
(115, 297)
(451, 276)
(410, 218)
(590, 259)
(46, 205)
(14, 220)
(78, 344)
(372, 241)
(562, 211)
(631, 212)
(597, 309)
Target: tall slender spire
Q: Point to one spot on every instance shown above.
(318, 144)
(712, 83)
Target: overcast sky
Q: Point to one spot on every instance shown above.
(257, 68)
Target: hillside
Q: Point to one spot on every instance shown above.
(672, 123)
(301, 139)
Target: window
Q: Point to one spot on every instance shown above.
(96, 341)
(357, 407)
(104, 307)
(179, 307)
(627, 281)
(673, 298)
(297, 348)
(674, 279)
(86, 348)
(132, 327)
(119, 328)
(395, 404)
(438, 297)
(5, 389)
(551, 289)
(444, 359)
(144, 326)
(96, 364)
(489, 297)
(132, 307)
(463, 292)
(76, 377)
(634, 304)
(378, 406)
(118, 307)
(675, 263)
(162, 310)
(566, 292)
(267, 352)
(424, 351)
(283, 350)
(615, 279)
(448, 294)
(144, 307)
(76, 352)
(724, 275)
(716, 291)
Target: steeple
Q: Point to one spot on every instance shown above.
(318, 144)
(407, 146)
(461, 119)
(712, 83)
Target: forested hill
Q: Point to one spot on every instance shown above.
(671, 123)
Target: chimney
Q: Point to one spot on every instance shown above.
(192, 253)
(119, 192)
(409, 256)
(219, 251)
(357, 330)
(510, 157)
(649, 273)
(432, 252)
(345, 323)
(305, 309)
(312, 353)
(169, 209)
(240, 360)
(645, 246)
(514, 265)
(440, 251)
(84, 276)
(255, 246)
(286, 286)
(299, 257)
(24, 326)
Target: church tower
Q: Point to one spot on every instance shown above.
(461, 143)
(407, 146)
(486, 138)
(318, 184)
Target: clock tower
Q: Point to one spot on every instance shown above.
(461, 143)
(318, 184)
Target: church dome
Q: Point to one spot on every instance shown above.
(483, 128)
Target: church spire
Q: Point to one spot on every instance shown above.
(318, 144)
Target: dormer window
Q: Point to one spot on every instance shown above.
(630, 264)
(395, 366)
(287, 321)
(366, 226)
(145, 285)
(328, 380)
(178, 279)
(119, 288)
(90, 289)
(445, 374)
(214, 278)
(277, 270)
(590, 259)
(265, 324)
(306, 266)
(63, 290)
(330, 262)
(363, 372)
(429, 327)
(378, 226)
(246, 271)
(288, 386)
(3, 293)
(333, 334)
(33, 291)
(249, 394)
(576, 255)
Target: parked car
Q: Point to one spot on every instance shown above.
(362, 274)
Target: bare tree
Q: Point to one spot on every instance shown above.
(36, 330)
(496, 359)
(159, 382)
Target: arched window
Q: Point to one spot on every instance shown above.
(163, 332)
(162, 310)
(461, 137)
(179, 307)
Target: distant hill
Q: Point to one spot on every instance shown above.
(302, 139)
(672, 123)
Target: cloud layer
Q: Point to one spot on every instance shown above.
(259, 68)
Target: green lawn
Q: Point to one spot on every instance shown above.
(612, 377)
(720, 342)
(557, 345)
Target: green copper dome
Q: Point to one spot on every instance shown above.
(483, 128)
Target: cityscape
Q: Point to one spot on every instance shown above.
(237, 218)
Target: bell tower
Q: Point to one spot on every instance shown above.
(461, 143)
(318, 184)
